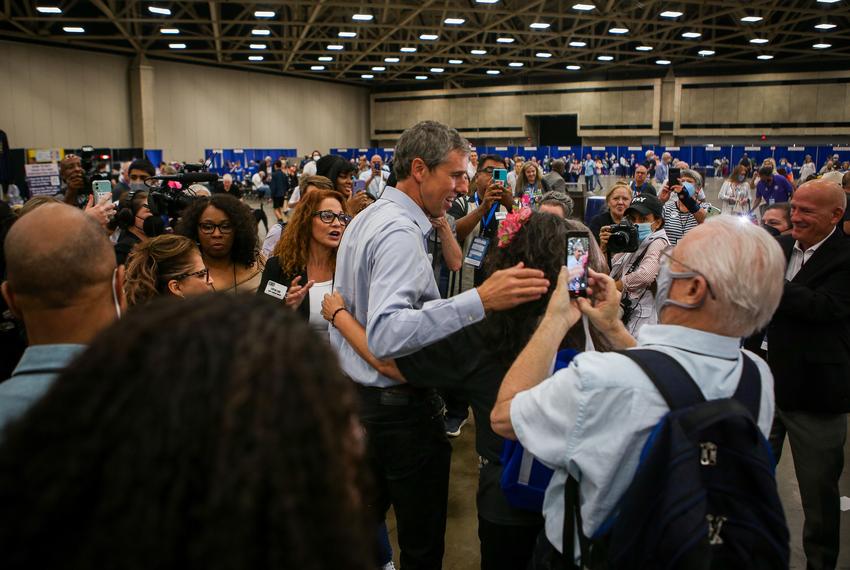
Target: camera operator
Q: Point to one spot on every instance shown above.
(635, 272)
(684, 214)
(75, 192)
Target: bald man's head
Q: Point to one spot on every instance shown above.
(816, 208)
(57, 256)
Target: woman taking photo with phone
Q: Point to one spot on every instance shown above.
(301, 269)
(226, 232)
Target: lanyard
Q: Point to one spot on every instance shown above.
(485, 223)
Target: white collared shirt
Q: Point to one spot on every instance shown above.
(800, 257)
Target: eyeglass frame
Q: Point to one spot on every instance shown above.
(339, 216)
(205, 272)
(667, 253)
(219, 227)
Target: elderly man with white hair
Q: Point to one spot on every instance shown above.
(662, 168)
(375, 176)
(591, 420)
(808, 348)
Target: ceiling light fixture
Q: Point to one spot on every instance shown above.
(456, 61)
(605, 58)
(261, 32)
(258, 46)
(573, 67)
(765, 57)
(493, 72)
(74, 29)
(751, 19)
(692, 35)
(362, 17)
(391, 60)
(454, 21)
(578, 44)
(325, 58)
(177, 46)
(618, 31)
(486, 1)
(663, 62)
(505, 40)
(159, 11)
(759, 41)
(583, 7)
(255, 58)
(543, 54)
(367, 76)
(347, 34)
(48, 9)
(264, 14)
(671, 14)
(335, 47)
(644, 48)
(421, 77)
(828, 1)
(317, 67)
(437, 70)
(169, 31)
(706, 52)
(478, 51)
(428, 37)
(408, 50)
(821, 46)
(539, 25)
(516, 64)
(825, 26)
(379, 68)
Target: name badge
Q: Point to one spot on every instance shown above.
(771, 202)
(477, 251)
(501, 215)
(275, 290)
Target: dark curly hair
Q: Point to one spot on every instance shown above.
(246, 243)
(179, 441)
(541, 243)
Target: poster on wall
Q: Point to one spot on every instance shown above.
(43, 179)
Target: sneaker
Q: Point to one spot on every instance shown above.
(388, 566)
(454, 425)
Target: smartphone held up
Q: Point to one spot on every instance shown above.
(578, 248)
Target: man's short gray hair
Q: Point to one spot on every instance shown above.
(429, 141)
(693, 174)
(746, 270)
(561, 199)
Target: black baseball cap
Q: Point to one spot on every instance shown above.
(646, 204)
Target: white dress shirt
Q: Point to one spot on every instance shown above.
(800, 257)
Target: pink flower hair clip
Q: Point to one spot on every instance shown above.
(511, 225)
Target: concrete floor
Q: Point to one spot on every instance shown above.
(462, 548)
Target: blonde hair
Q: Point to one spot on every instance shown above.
(153, 263)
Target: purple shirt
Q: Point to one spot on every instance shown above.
(779, 190)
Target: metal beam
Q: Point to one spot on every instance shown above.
(107, 11)
(304, 31)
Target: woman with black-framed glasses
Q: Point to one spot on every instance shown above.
(165, 265)
(301, 269)
(226, 233)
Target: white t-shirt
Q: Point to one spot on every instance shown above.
(257, 181)
(379, 181)
(317, 321)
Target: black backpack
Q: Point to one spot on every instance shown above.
(704, 495)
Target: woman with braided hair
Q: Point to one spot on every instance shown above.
(165, 265)
(177, 441)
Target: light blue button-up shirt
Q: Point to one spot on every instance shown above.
(593, 417)
(38, 368)
(384, 275)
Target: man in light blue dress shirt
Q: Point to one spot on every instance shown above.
(63, 283)
(591, 420)
(386, 278)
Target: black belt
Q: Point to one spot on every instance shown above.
(401, 395)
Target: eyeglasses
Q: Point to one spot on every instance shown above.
(488, 169)
(328, 216)
(202, 274)
(667, 257)
(209, 227)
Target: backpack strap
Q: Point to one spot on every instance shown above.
(749, 387)
(675, 384)
(572, 523)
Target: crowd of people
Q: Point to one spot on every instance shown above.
(183, 393)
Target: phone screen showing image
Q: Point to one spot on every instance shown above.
(359, 186)
(578, 247)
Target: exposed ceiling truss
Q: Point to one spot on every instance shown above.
(299, 33)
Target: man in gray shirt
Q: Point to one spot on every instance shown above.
(384, 275)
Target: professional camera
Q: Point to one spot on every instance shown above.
(623, 238)
(90, 171)
(172, 195)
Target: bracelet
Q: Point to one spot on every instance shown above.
(333, 317)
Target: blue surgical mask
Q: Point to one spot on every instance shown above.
(663, 283)
(742, 178)
(643, 229)
(689, 188)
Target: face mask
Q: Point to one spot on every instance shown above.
(644, 229)
(316, 157)
(664, 281)
(137, 186)
(742, 178)
(771, 230)
(689, 188)
(153, 226)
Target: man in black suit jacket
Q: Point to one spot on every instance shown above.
(809, 354)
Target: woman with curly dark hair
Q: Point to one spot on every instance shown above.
(473, 361)
(341, 172)
(301, 270)
(165, 265)
(177, 441)
(226, 232)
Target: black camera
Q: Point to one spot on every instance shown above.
(623, 238)
(173, 193)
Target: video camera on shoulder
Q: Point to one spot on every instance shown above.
(623, 238)
(170, 195)
(92, 177)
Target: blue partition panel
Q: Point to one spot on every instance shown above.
(154, 156)
(843, 152)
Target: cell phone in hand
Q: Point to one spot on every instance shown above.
(673, 177)
(500, 175)
(578, 248)
(359, 186)
(101, 189)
